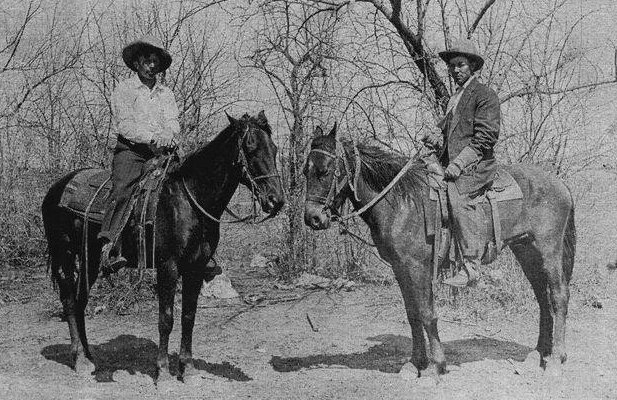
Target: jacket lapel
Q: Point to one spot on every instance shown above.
(465, 96)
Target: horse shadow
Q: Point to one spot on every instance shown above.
(135, 355)
(393, 351)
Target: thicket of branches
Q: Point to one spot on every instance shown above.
(370, 65)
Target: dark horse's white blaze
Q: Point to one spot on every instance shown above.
(186, 238)
(543, 238)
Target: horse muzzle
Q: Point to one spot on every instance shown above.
(271, 203)
(316, 216)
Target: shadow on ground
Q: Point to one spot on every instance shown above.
(133, 354)
(394, 351)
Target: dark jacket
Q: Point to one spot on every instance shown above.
(470, 134)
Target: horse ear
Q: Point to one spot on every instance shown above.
(317, 131)
(232, 120)
(333, 132)
(261, 117)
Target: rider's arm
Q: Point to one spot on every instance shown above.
(486, 123)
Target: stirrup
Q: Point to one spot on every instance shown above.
(110, 265)
(462, 279)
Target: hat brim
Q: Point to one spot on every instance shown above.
(130, 53)
(476, 59)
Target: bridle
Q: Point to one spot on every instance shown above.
(246, 173)
(337, 187)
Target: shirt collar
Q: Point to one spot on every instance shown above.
(467, 82)
(136, 83)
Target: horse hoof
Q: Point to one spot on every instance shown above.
(165, 376)
(84, 367)
(409, 372)
(194, 380)
(553, 368)
(533, 360)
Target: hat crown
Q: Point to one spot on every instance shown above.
(151, 40)
(464, 46)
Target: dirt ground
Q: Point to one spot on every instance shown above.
(355, 349)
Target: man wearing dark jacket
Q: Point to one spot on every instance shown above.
(469, 132)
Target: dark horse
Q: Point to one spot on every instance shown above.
(542, 237)
(193, 197)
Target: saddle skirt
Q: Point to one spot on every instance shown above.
(501, 204)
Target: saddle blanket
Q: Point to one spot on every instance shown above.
(87, 193)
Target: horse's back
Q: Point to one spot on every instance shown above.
(548, 206)
(539, 185)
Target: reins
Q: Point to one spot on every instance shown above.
(253, 186)
(327, 201)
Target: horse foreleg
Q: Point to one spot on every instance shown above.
(167, 277)
(422, 286)
(191, 286)
(417, 296)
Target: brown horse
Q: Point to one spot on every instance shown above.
(542, 237)
(192, 199)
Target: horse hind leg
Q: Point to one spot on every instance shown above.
(63, 274)
(550, 286)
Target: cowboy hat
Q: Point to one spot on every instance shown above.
(143, 45)
(464, 48)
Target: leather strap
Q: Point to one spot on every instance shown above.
(492, 199)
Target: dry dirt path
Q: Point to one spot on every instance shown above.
(271, 352)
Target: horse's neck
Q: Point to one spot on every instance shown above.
(213, 174)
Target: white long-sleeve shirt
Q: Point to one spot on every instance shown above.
(141, 114)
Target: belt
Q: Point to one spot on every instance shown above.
(142, 149)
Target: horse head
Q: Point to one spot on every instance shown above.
(257, 156)
(327, 184)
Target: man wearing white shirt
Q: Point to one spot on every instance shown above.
(145, 114)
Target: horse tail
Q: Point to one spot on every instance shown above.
(54, 226)
(48, 226)
(569, 244)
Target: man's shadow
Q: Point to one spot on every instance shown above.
(394, 351)
(132, 354)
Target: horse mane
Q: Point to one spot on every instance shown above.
(379, 167)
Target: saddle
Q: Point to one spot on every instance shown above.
(86, 195)
(501, 203)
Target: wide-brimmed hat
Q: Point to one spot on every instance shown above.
(465, 48)
(146, 44)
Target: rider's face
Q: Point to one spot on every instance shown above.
(460, 69)
(147, 65)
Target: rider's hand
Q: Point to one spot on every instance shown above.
(433, 140)
(452, 172)
(164, 141)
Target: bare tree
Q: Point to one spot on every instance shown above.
(294, 50)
